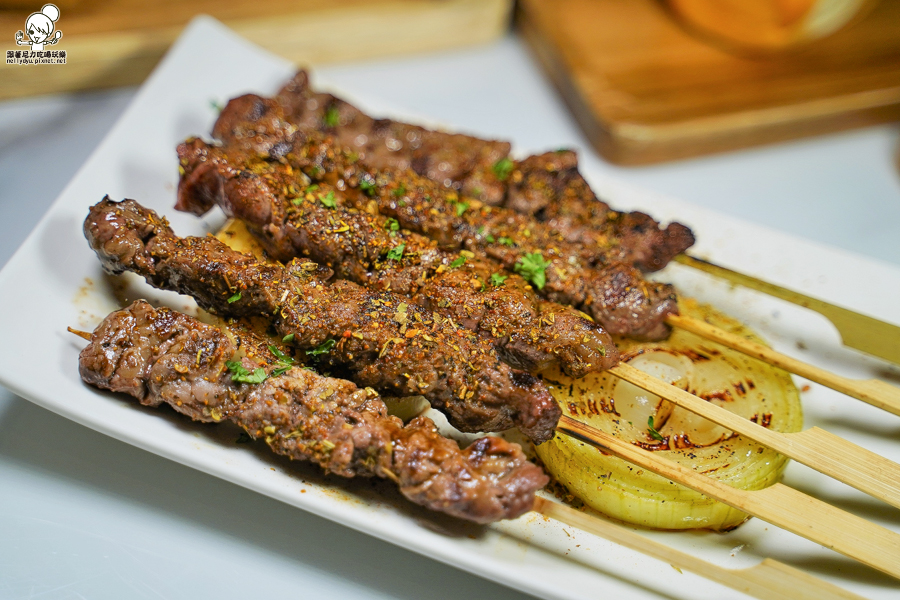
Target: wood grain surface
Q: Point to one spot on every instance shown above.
(646, 90)
(118, 42)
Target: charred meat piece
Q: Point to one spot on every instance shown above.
(615, 294)
(377, 338)
(293, 218)
(550, 188)
(547, 186)
(163, 357)
(455, 160)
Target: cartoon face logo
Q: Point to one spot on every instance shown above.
(40, 26)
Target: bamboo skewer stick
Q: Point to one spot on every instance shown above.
(769, 580)
(778, 504)
(816, 448)
(857, 331)
(872, 391)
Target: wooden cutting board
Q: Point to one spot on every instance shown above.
(118, 42)
(645, 90)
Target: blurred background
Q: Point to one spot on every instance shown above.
(647, 80)
(733, 104)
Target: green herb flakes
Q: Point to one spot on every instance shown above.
(399, 191)
(503, 168)
(458, 262)
(281, 356)
(461, 207)
(323, 348)
(241, 374)
(653, 432)
(331, 116)
(367, 187)
(506, 241)
(234, 298)
(533, 268)
(396, 253)
(497, 279)
(328, 200)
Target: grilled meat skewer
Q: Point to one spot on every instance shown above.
(292, 218)
(456, 160)
(376, 338)
(616, 295)
(161, 356)
(546, 186)
(549, 188)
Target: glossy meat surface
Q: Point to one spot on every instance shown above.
(160, 356)
(377, 339)
(546, 186)
(293, 218)
(614, 293)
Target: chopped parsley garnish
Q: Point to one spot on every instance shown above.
(392, 225)
(280, 370)
(497, 279)
(281, 356)
(288, 338)
(458, 262)
(241, 374)
(367, 187)
(331, 116)
(653, 432)
(490, 238)
(216, 105)
(396, 253)
(506, 241)
(323, 348)
(328, 200)
(399, 191)
(502, 168)
(533, 268)
(234, 298)
(311, 188)
(461, 207)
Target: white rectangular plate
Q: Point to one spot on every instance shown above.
(54, 281)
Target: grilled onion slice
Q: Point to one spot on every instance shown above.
(724, 377)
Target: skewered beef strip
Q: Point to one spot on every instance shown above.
(161, 356)
(547, 186)
(616, 294)
(451, 159)
(375, 337)
(292, 218)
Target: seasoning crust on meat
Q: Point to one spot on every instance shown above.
(292, 218)
(160, 356)
(614, 293)
(546, 186)
(378, 339)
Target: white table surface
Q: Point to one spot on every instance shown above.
(85, 516)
